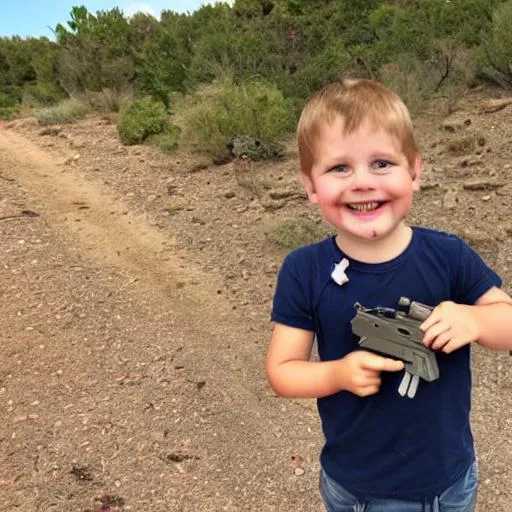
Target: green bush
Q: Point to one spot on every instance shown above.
(9, 106)
(290, 234)
(66, 112)
(411, 79)
(141, 119)
(224, 109)
(496, 55)
(42, 94)
(8, 113)
(167, 142)
(328, 66)
(7, 101)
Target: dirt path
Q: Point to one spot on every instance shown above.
(119, 385)
(133, 339)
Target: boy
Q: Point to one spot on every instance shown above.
(383, 452)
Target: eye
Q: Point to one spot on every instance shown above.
(382, 165)
(340, 169)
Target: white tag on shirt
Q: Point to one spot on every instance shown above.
(338, 274)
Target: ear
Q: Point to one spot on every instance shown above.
(416, 173)
(309, 185)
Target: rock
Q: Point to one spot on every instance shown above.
(50, 130)
(461, 146)
(483, 242)
(199, 166)
(482, 185)
(494, 105)
(222, 159)
(171, 189)
(255, 149)
(271, 205)
(450, 199)
(286, 194)
(429, 185)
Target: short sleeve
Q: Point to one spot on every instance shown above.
(474, 276)
(292, 304)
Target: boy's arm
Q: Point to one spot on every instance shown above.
(292, 374)
(488, 322)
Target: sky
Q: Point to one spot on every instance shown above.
(36, 18)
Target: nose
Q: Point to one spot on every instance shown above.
(363, 179)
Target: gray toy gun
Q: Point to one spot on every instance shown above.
(396, 332)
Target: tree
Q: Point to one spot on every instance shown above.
(96, 51)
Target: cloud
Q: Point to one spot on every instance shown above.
(135, 8)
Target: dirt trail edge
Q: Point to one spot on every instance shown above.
(103, 225)
(126, 383)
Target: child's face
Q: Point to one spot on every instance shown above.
(362, 182)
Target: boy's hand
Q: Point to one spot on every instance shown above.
(361, 371)
(449, 327)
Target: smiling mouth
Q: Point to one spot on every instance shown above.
(365, 207)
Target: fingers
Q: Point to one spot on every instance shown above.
(367, 391)
(392, 365)
(382, 364)
(435, 332)
(440, 341)
(444, 308)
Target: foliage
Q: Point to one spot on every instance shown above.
(95, 51)
(329, 65)
(7, 113)
(225, 109)
(422, 48)
(244, 55)
(108, 100)
(64, 113)
(42, 94)
(292, 233)
(497, 48)
(7, 101)
(141, 119)
(9, 106)
(161, 66)
(167, 142)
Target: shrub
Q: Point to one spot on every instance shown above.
(9, 106)
(108, 100)
(141, 119)
(410, 79)
(167, 142)
(496, 55)
(64, 113)
(8, 113)
(328, 66)
(290, 234)
(42, 94)
(7, 101)
(225, 109)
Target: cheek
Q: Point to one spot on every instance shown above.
(404, 204)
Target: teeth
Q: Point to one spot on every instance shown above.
(364, 207)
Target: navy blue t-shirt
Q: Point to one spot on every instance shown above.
(386, 445)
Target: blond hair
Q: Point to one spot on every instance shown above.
(355, 101)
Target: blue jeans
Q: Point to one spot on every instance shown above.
(460, 497)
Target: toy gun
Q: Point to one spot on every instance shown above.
(396, 332)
